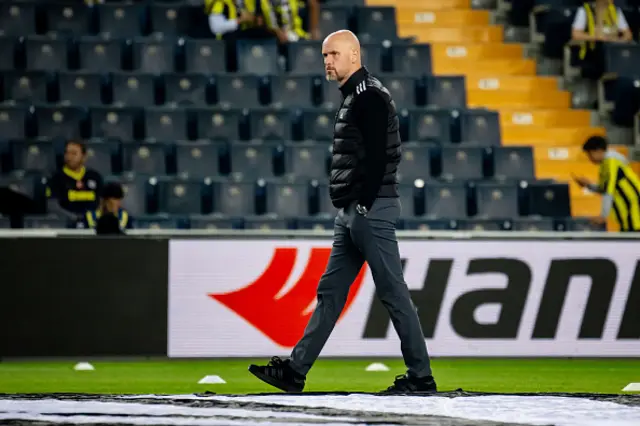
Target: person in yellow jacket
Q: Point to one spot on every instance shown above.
(284, 17)
(232, 18)
(601, 21)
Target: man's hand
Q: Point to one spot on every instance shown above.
(598, 220)
(582, 181)
(245, 17)
(316, 34)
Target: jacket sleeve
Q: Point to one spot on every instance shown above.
(371, 114)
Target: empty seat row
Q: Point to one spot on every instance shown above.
(168, 124)
(238, 91)
(41, 53)
(279, 197)
(130, 20)
(214, 222)
(264, 160)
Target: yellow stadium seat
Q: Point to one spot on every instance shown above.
(491, 82)
(544, 136)
(482, 34)
(568, 153)
(446, 65)
(482, 51)
(441, 18)
(540, 118)
(518, 99)
(426, 4)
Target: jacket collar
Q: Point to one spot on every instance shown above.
(356, 78)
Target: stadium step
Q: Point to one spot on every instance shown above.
(474, 51)
(443, 18)
(475, 34)
(545, 118)
(423, 4)
(544, 136)
(508, 98)
(446, 65)
(568, 153)
(491, 82)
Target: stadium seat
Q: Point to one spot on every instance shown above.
(7, 50)
(411, 199)
(482, 127)
(145, 159)
(533, 225)
(316, 223)
(371, 57)
(136, 194)
(79, 88)
(67, 18)
(113, 123)
(165, 124)
(132, 89)
(13, 122)
(25, 87)
(513, 163)
(496, 201)
(307, 160)
(253, 161)
(287, 199)
(265, 223)
(317, 125)
(237, 91)
(217, 124)
(198, 159)
(62, 122)
(333, 18)
(182, 197)
(416, 162)
(45, 222)
(446, 92)
(291, 91)
(100, 55)
(462, 163)
(169, 20)
(205, 56)
(331, 96)
(100, 155)
(483, 225)
(186, 90)
(153, 56)
(376, 23)
(414, 59)
(211, 222)
(402, 89)
(445, 201)
(422, 224)
(234, 198)
(305, 58)
(270, 124)
(34, 156)
(257, 57)
(154, 222)
(430, 126)
(45, 54)
(548, 200)
(17, 18)
(120, 20)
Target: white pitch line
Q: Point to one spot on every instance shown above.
(632, 387)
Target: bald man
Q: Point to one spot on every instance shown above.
(364, 188)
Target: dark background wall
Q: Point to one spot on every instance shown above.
(57, 297)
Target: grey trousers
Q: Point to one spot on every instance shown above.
(358, 239)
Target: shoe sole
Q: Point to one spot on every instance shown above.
(255, 370)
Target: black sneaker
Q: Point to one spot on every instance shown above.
(278, 373)
(405, 383)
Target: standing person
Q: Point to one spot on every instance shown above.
(618, 184)
(363, 186)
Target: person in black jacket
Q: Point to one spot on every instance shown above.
(364, 187)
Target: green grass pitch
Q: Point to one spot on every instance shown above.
(182, 376)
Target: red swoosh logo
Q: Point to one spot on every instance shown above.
(283, 319)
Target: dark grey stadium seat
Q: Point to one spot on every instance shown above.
(483, 225)
(446, 91)
(496, 201)
(234, 198)
(287, 199)
(153, 56)
(131, 89)
(408, 200)
(372, 57)
(78, 88)
(5, 222)
(446, 201)
(307, 160)
(179, 196)
(318, 125)
(113, 123)
(430, 125)
(100, 55)
(416, 162)
(136, 195)
(217, 124)
(34, 156)
(186, 89)
(155, 222)
(99, 155)
(533, 225)
(205, 56)
(211, 222)
(549, 199)
(333, 18)
(414, 59)
(45, 222)
(252, 161)
(17, 18)
(257, 57)
(513, 163)
(237, 91)
(422, 224)
(325, 207)
(402, 88)
(264, 223)
(165, 124)
(316, 223)
(270, 124)
(145, 159)
(376, 23)
(7, 51)
(169, 20)
(480, 126)
(120, 20)
(291, 91)
(462, 163)
(331, 96)
(305, 58)
(198, 159)
(25, 87)
(13, 122)
(45, 54)
(67, 18)
(59, 122)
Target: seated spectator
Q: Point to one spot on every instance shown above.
(234, 19)
(286, 21)
(74, 190)
(110, 217)
(595, 23)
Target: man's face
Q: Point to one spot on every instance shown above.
(73, 156)
(596, 157)
(112, 205)
(338, 59)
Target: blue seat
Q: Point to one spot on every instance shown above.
(333, 18)
(154, 222)
(169, 20)
(622, 59)
(411, 199)
(17, 18)
(331, 97)
(136, 194)
(316, 223)
(7, 50)
(45, 222)
(291, 91)
(484, 225)
(479, 126)
(305, 58)
(317, 125)
(371, 54)
(265, 223)
(211, 222)
(32, 156)
(67, 18)
(100, 157)
(533, 224)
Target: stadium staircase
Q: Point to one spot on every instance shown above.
(533, 109)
